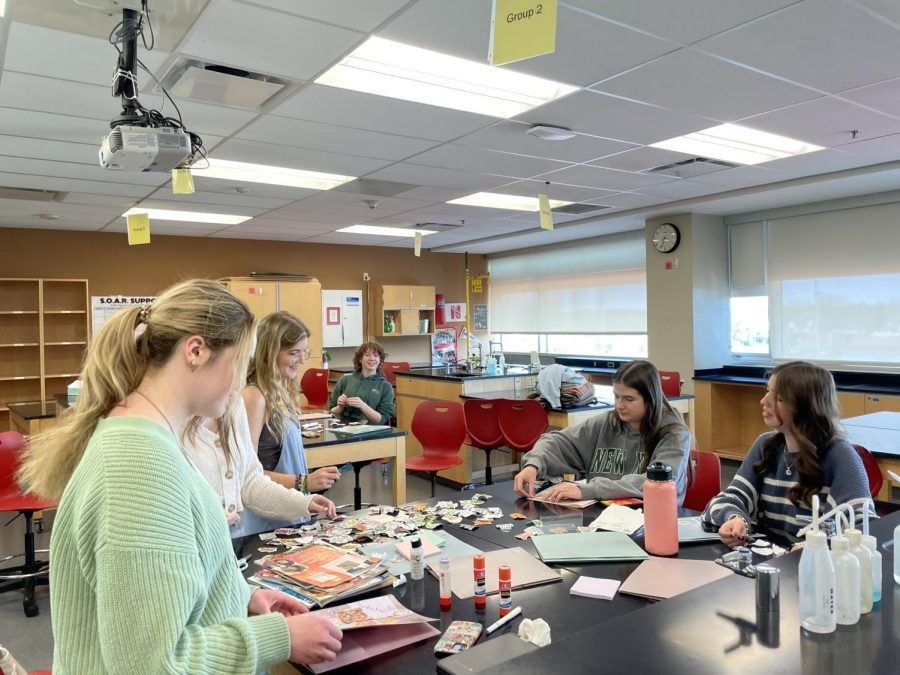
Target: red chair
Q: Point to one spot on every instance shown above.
(34, 572)
(873, 471)
(483, 427)
(391, 368)
(314, 385)
(671, 383)
(522, 423)
(440, 426)
(704, 480)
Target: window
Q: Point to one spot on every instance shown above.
(633, 346)
(750, 325)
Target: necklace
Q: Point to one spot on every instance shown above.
(788, 468)
(162, 414)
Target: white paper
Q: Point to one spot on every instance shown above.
(619, 519)
(590, 587)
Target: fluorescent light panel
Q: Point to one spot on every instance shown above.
(384, 231)
(393, 69)
(188, 216)
(2, 8)
(271, 175)
(734, 143)
(494, 200)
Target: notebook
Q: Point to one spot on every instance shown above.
(360, 645)
(691, 529)
(588, 547)
(526, 570)
(660, 578)
(591, 587)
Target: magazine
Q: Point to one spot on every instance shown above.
(320, 565)
(385, 610)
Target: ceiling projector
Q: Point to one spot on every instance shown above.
(131, 148)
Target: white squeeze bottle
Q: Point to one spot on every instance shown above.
(896, 557)
(865, 569)
(846, 580)
(816, 580)
(871, 543)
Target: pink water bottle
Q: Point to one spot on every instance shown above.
(660, 511)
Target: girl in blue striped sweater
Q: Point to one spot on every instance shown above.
(804, 454)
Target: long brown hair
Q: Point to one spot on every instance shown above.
(277, 331)
(369, 347)
(809, 392)
(643, 377)
(127, 346)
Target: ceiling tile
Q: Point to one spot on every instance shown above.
(330, 138)
(42, 167)
(475, 159)
(640, 159)
(567, 193)
(73, 185)
(609, 117)
(44, 94)
(251, 190)
(882, 96)
(319, 103)
(695, 83)
(436, 177)
(629, 200)
(361, 15)
(52, 127)
(67, 56)
(198, 203)
(825, 44)
(512, 136)
(682, 189)
(60, 151)
(825, 121)
(605, 179)
(296, 158)
(683, 22)
(292, 47)
(203, 119)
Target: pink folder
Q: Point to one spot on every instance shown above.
(359, 645)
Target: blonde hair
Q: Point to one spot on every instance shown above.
(275, 332)
(128, 345)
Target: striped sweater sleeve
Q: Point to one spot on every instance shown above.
(741, 497)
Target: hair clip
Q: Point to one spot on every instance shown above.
(144, 313)
(139, 330)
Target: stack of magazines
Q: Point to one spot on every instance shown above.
(320, 574)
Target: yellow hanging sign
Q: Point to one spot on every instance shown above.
(138, 229)
(521, 29)
(546, 214)
(418, 250)
(476, 285)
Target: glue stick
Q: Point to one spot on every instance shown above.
(505, 590)
(480, 582)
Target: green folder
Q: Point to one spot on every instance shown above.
(587, 547)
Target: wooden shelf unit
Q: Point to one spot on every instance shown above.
(44, 330)
(408, 306)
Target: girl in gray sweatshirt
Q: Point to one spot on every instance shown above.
(614, 449)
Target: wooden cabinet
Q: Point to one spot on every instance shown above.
(302, 298)
(403, 310)
(44, 330)
(879, 402)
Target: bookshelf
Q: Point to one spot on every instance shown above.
(44, 330)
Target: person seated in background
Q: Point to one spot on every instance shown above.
(614, 449)
(804, 454)
(253, 502)
(364, 395)
(272, 398)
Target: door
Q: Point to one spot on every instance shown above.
(422, 297)
(332, 319)
(303, 299)
(352, 317)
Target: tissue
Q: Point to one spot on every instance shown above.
(536, 631)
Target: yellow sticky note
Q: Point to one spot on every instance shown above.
(546, 214)
(418, 244)
(521, 29)
(138, 229)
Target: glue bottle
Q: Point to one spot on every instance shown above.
(416, 561)
(480, 582)
(446, 598)
(660, 511)
(816, 574)
(505, 574)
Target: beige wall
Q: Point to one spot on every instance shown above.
(687, 305)
(113, 267)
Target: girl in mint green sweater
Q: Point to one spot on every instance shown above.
(143, 577)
